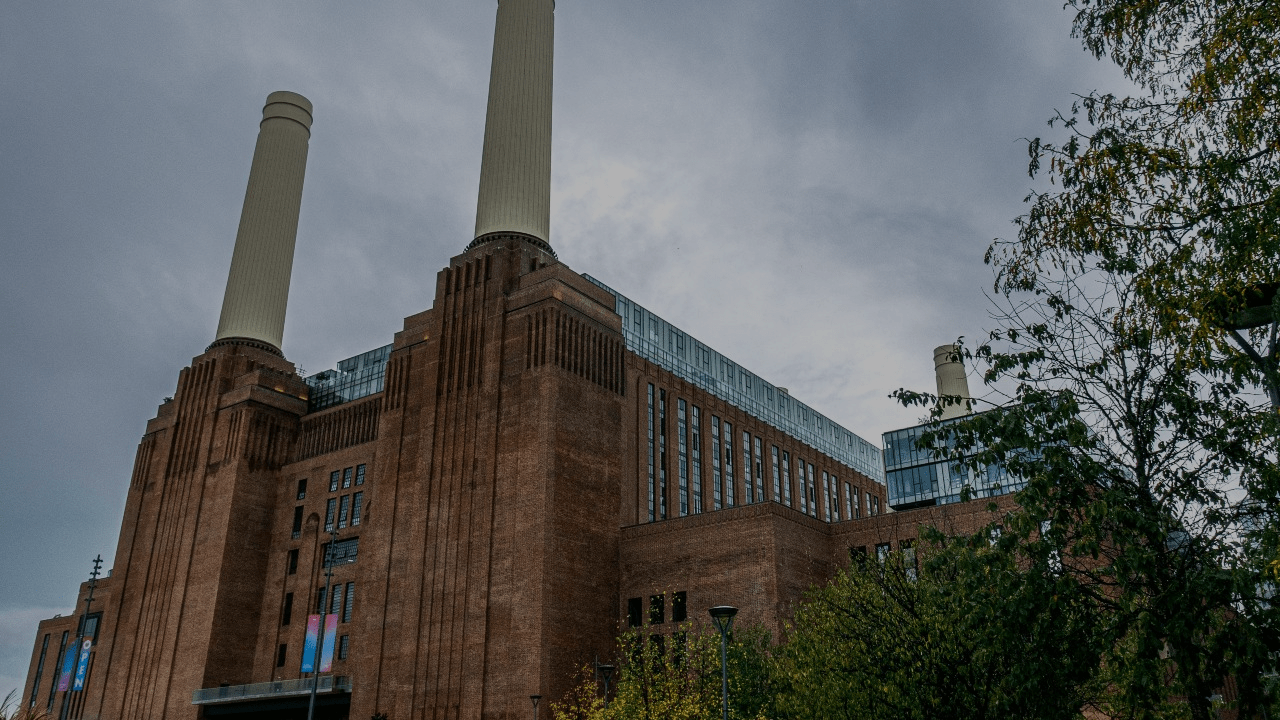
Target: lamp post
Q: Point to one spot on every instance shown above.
(534, 699)
(722, 616)
(327, 559)
(84, 623)
(606, 671)
(1262, 307)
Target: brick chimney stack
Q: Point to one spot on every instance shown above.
(258, 284)
(515, 169)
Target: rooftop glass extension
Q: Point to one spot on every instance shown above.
(915, 478)
(670, 348)
(356, 377)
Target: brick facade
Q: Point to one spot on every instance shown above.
(503, 481)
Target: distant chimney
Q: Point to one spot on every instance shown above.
(515, 168)
(262, 262)
(951, 379)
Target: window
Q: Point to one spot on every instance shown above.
(993, 535)
(634, 608)
(682, 454)
(333, 480)
(293, 562)
(344, 552)
(662, 454)
(652, 499)
(657, 609)
(717, 485)
(748, 478)
(759, 472)
(858, 554)
(909, 565)
(302, 489)
(329, 509)
(359, 475)
(344, 646)
(35, 687)
(697, 460)
(728, 464)
(343, 508)
(813, 491)
(320, 594)
(679, 603)
(88, 626)
(57, 663)
(346, 478)
(335, 599)
(848, 502)
(281, 654)
(286, 615)
(826, 496)
(297, 522)
(357, 501)
(882, 552)
(786, 479)
(351, 598)
(777, 478)
(803, 486)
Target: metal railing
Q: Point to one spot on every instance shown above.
(274, 689)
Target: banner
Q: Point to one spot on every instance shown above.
(82, 667)
(330, 635)
(309, 648)
(68, 665)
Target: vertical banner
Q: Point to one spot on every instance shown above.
(68, 665)
(309, 649)
(330, 635)
(82, 667)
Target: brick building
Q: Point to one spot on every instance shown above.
(526, 466)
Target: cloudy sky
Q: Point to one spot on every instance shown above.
(805, 185)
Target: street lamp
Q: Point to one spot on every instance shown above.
(327, 560)
(1262, 307)
(606, 671)
(535, 699)
(722, 616)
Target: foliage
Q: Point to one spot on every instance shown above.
(880, 641)
(678, 677)
(11, 709)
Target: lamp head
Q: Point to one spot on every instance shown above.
(722, 616)
(535, 699)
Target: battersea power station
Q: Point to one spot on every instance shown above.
(476, 509)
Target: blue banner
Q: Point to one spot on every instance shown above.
(309, 649)
(82, 667)
(68, 665)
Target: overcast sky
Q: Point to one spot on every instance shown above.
(806, 186)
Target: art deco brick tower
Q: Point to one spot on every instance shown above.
(192, 551)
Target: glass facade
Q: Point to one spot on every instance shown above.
(916, 478)
(660, 342)
(356, 377)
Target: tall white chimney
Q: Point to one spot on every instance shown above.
(515, 169)
(262, 262)
(951, 379)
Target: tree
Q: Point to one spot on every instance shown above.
(882, 641)
(1149, 455)
(677, 677)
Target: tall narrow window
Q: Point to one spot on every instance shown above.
(662, 454)
(302, 489)
(679, 607)
(343, 508)
(286, 615)
(344, 647)
(697, 460)
(351, 598)
(320, 595)
(293, 561)
(329, 509)
(334, 478)
(813, 491)
(759, 472)
(634, 609)
(35, 687)
(857, 503)
(826, 496)
(848, 502)
(346, 478)
(359, 474)
(357, 501)
(728, 465)
(748, 477)
(297, 522)
(682, 452)
(57, 663)
(652, 500)
(777, 478)
(335, 599)
(909, 565)
(802, 486)
(786, 479)
(717, 482)
(281, 653)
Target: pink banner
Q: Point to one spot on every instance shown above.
(330, 635)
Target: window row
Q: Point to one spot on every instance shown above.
(343, 650)
(340, 507)
(737, 476)
(344, 479)
(658, 609)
